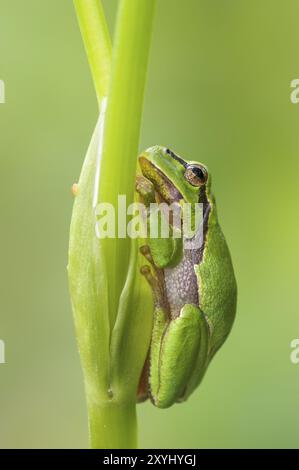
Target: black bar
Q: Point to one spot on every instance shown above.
(195, 458)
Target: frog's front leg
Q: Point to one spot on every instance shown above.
(178, 353)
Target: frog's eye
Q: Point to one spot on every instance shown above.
(196, 175)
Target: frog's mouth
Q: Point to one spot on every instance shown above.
(165, 191)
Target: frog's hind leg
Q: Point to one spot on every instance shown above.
(202, 360)
(178, 355)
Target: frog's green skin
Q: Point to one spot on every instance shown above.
(194, 291)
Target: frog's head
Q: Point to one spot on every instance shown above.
(174, 178)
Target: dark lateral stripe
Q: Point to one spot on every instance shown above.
(176, 157)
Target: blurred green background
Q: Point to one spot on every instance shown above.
(219, 91)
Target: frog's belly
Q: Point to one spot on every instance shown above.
(181, 283)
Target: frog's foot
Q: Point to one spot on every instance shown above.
(157, 288)
(146, 252)
(155, 278)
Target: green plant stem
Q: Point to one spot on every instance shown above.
(96, 37)
(112, 425)
(122, 127)
(93, 273)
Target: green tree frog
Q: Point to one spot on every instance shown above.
(194, 289)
